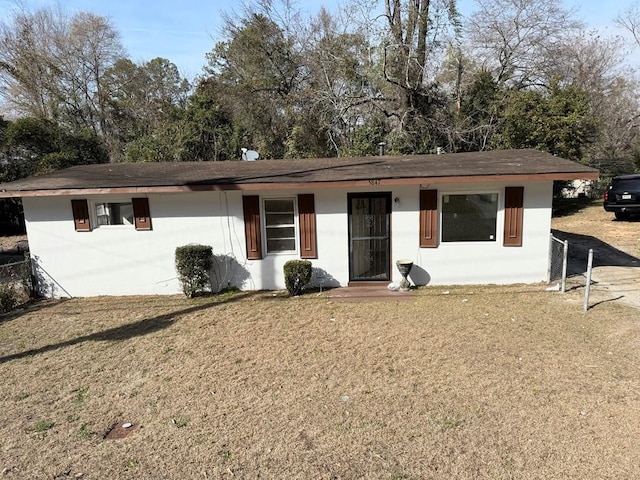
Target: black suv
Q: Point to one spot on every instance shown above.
(622, 196)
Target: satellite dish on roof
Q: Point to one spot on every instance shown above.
(249, 155)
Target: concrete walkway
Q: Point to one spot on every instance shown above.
(621, 283)
(615, 274)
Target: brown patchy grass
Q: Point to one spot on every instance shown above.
(592, 220)
(492, 382)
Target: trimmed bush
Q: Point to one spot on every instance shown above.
(193, 264)
(297, 274)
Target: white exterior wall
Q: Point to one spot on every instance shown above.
(449, 263)
(491, 262)
(118, 260)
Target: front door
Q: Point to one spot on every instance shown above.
(369, 236)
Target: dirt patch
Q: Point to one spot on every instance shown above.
(120, 430)
(592, 221)
(493, 382)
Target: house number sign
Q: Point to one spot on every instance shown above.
(374, 181)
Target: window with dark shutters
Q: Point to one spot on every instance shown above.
(307, 216)
(141, 213)
(251, 210)
(429, 218)
(513, 210)
(469, 217)
(279, 217)
(81, 219)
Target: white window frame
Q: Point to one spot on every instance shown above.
(296, 231)
(499, 208)
(93, 212)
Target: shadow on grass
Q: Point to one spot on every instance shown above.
(593, 305)
(131, 330)
(604, 255)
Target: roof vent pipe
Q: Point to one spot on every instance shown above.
(438, 150)
(381, 148)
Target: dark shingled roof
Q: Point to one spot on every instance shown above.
(387, 170)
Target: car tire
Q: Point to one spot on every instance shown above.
(622, 215)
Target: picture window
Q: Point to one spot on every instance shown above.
(469, 217)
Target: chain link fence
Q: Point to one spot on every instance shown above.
(558, 262)
(16, 282)
(12, 272)
(558, 255)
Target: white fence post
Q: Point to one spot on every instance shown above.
(565, 254)
(587, 290)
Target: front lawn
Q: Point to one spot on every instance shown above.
(461, 382)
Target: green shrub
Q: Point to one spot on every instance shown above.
(8, 298)
(297, 274)
(193, 263)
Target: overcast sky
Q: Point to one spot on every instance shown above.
(183, 31)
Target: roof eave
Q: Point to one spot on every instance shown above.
(374, 182)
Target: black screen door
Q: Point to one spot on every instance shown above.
(369, 236)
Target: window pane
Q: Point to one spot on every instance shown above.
(280, 223)
(114, 213)
(279, 245)
(102, 213)
(272, 219)
(469, 218)
(122, 213)
(278, 206)
(288, 232)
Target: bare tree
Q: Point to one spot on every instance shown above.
(586, 60)
(618, 140)
(513, 38)
(340, 89)
(52, 65)
(595, 64)
(416, 32)
(630, 20)
(27, 68)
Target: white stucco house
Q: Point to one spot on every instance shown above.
(468, 218)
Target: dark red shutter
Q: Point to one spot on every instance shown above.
(429, 218)
(80, 210)
(307, 216)
(141, 213)
(251, 209)
(513, 209)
